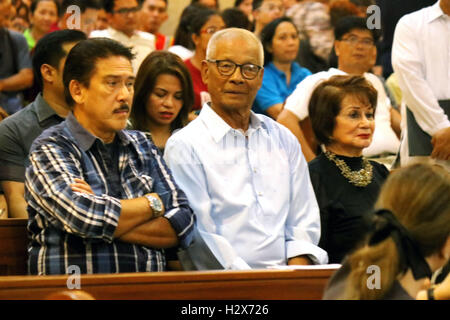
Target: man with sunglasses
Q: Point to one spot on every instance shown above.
(123, 27)
(244, 175)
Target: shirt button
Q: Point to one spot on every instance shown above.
(260, 194)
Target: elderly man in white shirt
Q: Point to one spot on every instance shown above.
(123, 21)
(356, 53)
(244, 174)
(421, 61)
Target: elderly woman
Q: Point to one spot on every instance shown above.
(409, 242)
(281, 72)
(346, 185)
(163, 96)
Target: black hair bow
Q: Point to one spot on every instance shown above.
(409, 252)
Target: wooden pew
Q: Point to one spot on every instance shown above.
(192, 285)
(13, 246)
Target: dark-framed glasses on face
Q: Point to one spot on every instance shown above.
(249, 71)
(125, 11)
(365, 42)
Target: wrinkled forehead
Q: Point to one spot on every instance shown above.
(235, 43)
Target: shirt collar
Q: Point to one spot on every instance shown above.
(435, 12)
(219, 128)
(294, 68)
(114, 32)
(86, 139)
(43, 109)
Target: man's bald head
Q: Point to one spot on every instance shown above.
(231, 34)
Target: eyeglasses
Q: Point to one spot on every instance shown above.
(125, 11)
(211, 30)
(365, 42)
(249, 71)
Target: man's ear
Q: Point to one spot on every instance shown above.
(204, 71)
(48, 73)
(76, 90)
(337, 45)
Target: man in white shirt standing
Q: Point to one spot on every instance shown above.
(123, 24)
(421, 61)
(244, 174)
(356, 52)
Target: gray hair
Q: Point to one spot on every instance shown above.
(232, 33)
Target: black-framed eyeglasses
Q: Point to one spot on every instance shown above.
(365, 42)
(125, 11)
(249, 71)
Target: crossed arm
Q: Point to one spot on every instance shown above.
(57, 191)
(137, 222)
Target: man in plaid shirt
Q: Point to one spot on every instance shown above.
(100, 197)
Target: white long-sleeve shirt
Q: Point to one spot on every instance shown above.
(251, 193)
(421, 61)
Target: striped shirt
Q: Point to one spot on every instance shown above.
(72, 229)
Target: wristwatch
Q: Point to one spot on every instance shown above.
(155, 204)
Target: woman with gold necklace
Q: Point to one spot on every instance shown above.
(346, 184)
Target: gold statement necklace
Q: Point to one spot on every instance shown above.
(359, 178)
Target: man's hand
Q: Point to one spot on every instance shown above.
(81, 186)
(441, 144)
(303, 260)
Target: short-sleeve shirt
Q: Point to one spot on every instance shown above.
(274, 87)
(17, 133)
(23, 60)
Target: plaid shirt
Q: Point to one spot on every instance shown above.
(70, 228)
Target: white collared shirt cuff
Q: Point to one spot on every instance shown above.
(315, 253)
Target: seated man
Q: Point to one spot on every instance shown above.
(356, 53)
(18, 131)
(100, 197)
(243, 173)
(15, 65)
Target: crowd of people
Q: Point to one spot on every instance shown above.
(256, 136)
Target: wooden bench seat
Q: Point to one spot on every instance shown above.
(192, 285)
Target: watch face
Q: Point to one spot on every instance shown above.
(155, 203)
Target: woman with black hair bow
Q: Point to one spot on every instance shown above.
(410, 241)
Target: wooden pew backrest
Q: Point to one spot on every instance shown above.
(13, 246)
(190, 285)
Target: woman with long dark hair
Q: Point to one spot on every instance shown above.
(163, 96)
